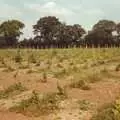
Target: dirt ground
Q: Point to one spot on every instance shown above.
(101, 93)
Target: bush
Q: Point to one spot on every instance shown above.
(117, 67)
(18, 57)
(32, 59)
(80, 84)
(108, 112)
(37, 105)
(12, 90)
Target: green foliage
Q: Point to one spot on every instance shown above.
(11, 29)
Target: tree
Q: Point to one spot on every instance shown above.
(11, 30)
(106, 25)
(45, 29)
(101, 34)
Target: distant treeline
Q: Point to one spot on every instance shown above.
(49, 32)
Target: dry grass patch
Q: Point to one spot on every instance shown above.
(108, 112)
(38, 105)
(12, 90)
(82, 84)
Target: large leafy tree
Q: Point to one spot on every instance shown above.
(101, 34)
(51, 32)
(11, 30)
(106, 25)
(70, 34)
(45, 28)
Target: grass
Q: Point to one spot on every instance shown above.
(117, 67)
(44, 78)
(80, 84)
(12, 90)
(84, 105)
(108, 112)
(9, 69)
(84, 65)
(93, 77)
(38, 105)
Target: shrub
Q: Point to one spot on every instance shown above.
(80, 84)
(92, 78)
(37, 105)
(12, 90)
(18, 57)
(44, 77)
(83, 105)
(31, 58)
(108, 112)
(117, 67)
(9, 69)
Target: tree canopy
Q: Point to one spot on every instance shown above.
(50, 32)
(11, 30)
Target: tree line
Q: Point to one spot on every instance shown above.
(50, 32)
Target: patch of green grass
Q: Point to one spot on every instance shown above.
(12, 90)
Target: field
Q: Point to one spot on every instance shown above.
(59, 84)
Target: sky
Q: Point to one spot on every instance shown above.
(83, 12)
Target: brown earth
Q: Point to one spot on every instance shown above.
(101, 93)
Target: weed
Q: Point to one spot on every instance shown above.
(31, 58)
(30, 71)
(3, 62)
(117, 67)
(37, 105)
(61, 90)
(9, 69)
(12, 90)
(80, 84)
(61, 73)
(83, 105)
(44, 77)
(16, 74)
(18, 58)
(92, 78)
(23, 66)
(37, 64)
(108, 112)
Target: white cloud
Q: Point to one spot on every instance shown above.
(7, 11)
(51, 8)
